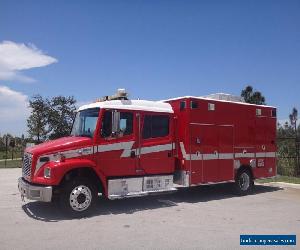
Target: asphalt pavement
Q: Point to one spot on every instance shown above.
(208, 217)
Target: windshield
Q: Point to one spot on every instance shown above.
(85, 122)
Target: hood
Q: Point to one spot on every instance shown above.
(59, 145)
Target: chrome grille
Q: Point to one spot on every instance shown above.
(27, 162)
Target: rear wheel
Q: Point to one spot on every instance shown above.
(78, 196)
(244, 182)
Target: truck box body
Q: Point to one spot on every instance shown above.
(214, 138)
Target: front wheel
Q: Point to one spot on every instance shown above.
(244, 182)
(78, 197)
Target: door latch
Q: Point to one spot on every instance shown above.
(132, 154)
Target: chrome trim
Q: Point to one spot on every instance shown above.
(139, 186)
(138, 194)
(27, 165)
(78, 191)
(34, 192)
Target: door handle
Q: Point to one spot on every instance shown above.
(132, 154)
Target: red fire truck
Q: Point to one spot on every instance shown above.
(123, 148)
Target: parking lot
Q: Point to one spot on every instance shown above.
(201, 217)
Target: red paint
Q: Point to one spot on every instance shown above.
(232, 128)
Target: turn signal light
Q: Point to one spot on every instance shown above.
(47, 172)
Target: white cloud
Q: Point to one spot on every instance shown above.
(15, 57)
(13, 111)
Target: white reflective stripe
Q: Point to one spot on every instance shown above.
(225, 156)
(209, 157)
(67, 154)
(115, 146)
(195, 157)
(270, 154)
(199, 156)
(261, 155)
(266, 154)
(127, 148)
(222, 156)
(78, 152)
(184, 154)
(242, 155)
(127, 152)
(189, 156)
(156, 148)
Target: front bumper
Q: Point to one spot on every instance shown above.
(34, 192)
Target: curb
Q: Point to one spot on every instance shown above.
(282, 184)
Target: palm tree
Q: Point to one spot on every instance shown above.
(254, 97)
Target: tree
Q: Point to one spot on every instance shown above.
(254, 97)
(38, 120)
(293, 119)
(50, 118)
(61, 115)
(288, 150)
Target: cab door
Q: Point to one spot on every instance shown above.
(116, 151)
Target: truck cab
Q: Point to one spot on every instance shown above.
(118, 148)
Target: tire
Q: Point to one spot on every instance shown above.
(244, 182)
(78, 197)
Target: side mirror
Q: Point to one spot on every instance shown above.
(115, 123)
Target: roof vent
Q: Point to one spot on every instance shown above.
(225, 97)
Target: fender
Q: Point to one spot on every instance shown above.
(60, 169)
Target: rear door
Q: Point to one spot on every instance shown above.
(156, 144)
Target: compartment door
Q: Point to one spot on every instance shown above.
(226, 168)
(204, 153)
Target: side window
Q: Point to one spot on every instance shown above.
(125, 124)
(155, 126)
(106, 124)
(147, 127)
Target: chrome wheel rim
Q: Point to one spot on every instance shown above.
(244, 181)
(80, 198)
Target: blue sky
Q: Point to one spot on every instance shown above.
(154, 49)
